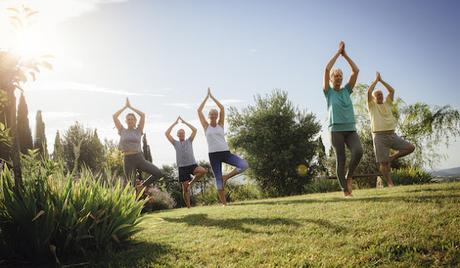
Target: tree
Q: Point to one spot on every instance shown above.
(113, 158)
(58, 152)
(84, 143)
(24, 133)
(146, 149)
(321, 158)
(276, 139)
(40, 136)
(14, 72)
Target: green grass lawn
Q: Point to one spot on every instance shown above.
(407, 226)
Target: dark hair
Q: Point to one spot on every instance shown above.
(131, 114)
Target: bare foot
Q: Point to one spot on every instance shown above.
(350, 185)
(225, 179)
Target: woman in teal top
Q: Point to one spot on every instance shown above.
(342, 118)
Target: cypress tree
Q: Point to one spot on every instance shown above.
(40, 137)
(146, 149)
(24, 132)
(58, 152)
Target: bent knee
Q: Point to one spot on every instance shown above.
(411, 148)
(201, 170)
(244, 165)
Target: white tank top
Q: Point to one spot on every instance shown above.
(216, 139)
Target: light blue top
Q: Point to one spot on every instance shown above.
(184, 153)
(340, 109)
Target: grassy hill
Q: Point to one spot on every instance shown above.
(408, 226)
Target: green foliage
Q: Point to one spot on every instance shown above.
(428, 128)
(54, 215)
(241, 192)
(160, 200)
(208, 196)
(275, 138)
(82, 147)
(322, 185)
(410, 175)
(58, 152)
(113, 158)
(24, 132)
(40, 136)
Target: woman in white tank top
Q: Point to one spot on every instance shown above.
(218, 148)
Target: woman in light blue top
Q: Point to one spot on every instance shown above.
(218, 148)
(130, 145)
(342, 118)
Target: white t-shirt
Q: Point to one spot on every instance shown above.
(216, 139)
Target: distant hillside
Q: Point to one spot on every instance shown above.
(447, 172)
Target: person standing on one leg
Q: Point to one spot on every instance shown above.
(185, 159)
(342, 118)
(218, 148)
(130, 145)
(383, 125)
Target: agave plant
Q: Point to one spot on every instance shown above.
(55, 215)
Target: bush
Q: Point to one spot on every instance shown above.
(410, 175)
(160, 200)
(240, 192)
(55, 215)
(208, 196)
(320, 185)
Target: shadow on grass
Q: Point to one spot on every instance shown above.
(136, 254)
(437, 198)
(234, 224)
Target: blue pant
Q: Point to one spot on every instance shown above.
(217, 158)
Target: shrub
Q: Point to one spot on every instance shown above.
(240, 192)
(160, 200)
(321, 185)
(410, 175)
(55, 215)
(208, 196)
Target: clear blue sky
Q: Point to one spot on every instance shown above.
(164, 54)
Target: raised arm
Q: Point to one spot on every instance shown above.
(141, 124)
(115, 116)
(391, 91)
(221, 108)
(372, 87)
(354, 70)
(192, 136)
(168, 131)
(203, 121)
(330, 64)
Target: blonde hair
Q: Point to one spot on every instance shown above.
(334, 71)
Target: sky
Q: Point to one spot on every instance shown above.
(164, 54)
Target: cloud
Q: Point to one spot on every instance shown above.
(56, 11)
(180, 105)
(232, 101)
(75, 86)
(60, 115)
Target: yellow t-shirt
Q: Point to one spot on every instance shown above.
(382, 118)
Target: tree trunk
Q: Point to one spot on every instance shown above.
(11, 124)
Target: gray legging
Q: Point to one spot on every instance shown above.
(137, 161)
(351, 139)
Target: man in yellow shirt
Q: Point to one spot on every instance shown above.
(383, 125)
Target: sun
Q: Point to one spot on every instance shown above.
(30, 44)
(28, 38)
